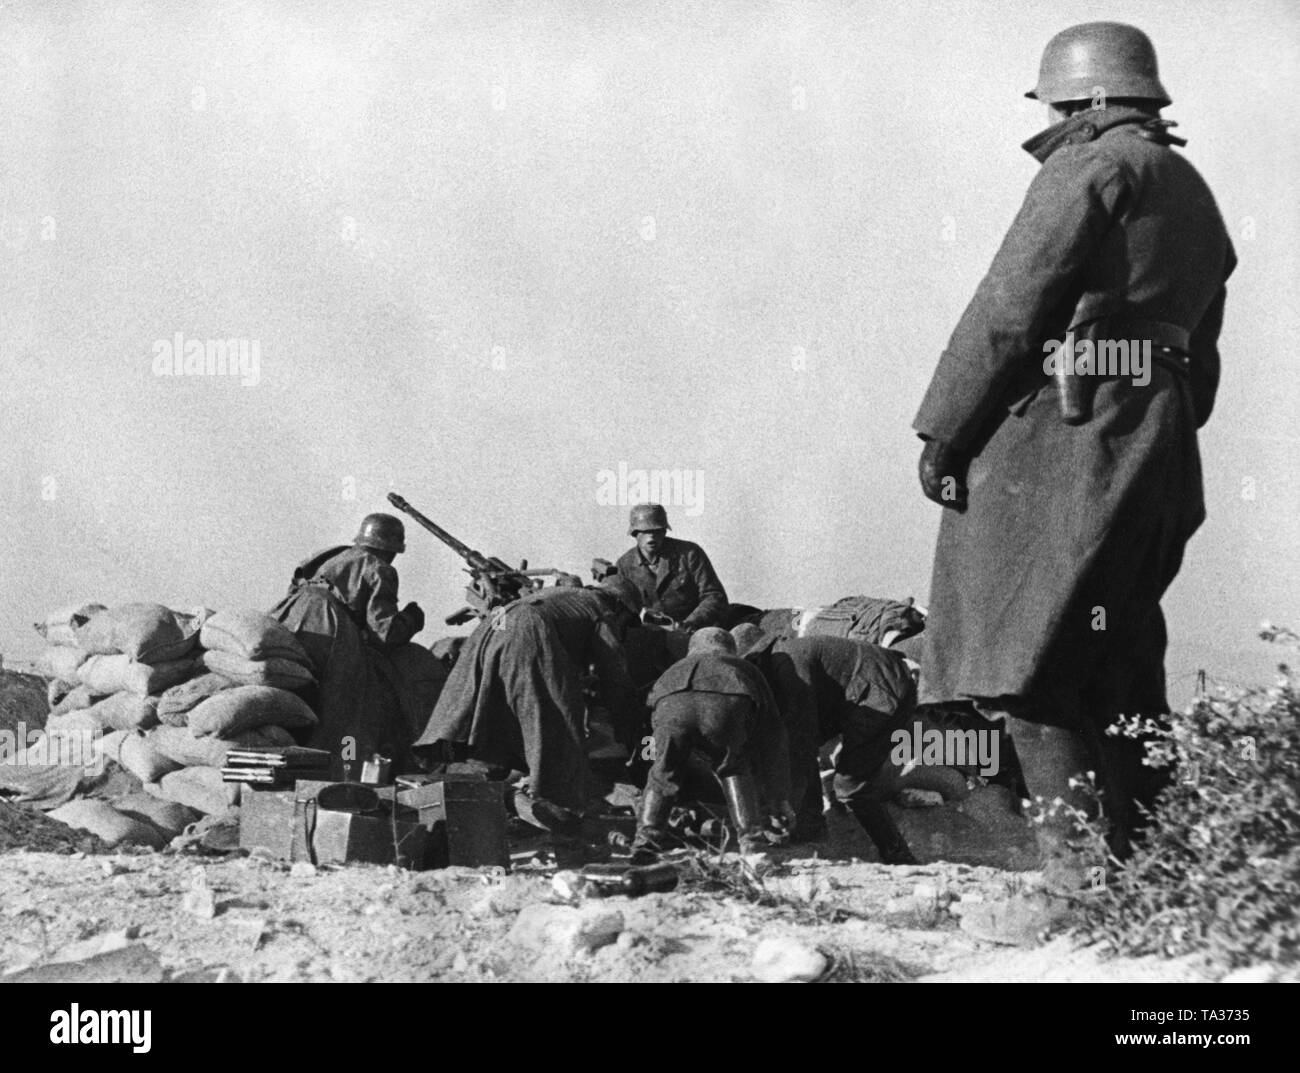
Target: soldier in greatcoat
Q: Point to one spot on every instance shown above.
(1069, 493)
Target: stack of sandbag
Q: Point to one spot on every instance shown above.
(183, 763)
(166, 695)
(109, 665)
(253, 649)
(251, 664)
(63, 654)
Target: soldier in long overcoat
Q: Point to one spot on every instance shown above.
(1068, 502)
(515, 699)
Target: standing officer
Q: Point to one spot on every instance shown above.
(675, 577)
(1059, 539)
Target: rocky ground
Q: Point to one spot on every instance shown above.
(72, 910)
(144, 915)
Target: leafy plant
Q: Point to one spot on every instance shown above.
(1218, 869)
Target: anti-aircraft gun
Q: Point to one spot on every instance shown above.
(493, 582)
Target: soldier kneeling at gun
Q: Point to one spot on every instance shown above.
(716, 704)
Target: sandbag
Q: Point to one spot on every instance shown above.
(200, 788)
(60, 627)
(103, 820)
(62, 662)
(178, 744)
(232, 711)
(176, 703)
(139, 755)
(109, 747)
(56, 689)
(147, 633)
(118, 674)
(170, 817)
(126, 711)
(75, 699)
(251, 635)
(279, 673)
(76, 724)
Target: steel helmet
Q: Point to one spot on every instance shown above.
(1098, 58)
(647, 516)
(747, 635)
(624, 591)
(712, 639)
(381, 532)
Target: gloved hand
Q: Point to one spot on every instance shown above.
(942, 472)
(415, 614)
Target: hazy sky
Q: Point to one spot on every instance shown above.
(486, 252)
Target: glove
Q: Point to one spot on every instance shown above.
(941, 470)
(415, 614)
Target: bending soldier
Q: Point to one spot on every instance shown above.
(714, 703)
(514, 698)
(832, 687)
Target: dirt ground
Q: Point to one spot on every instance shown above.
(70, 910)
(149, 916)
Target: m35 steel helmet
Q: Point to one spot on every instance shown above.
(712, 639)
(382, 532)
(1099, 59)
(647, 516)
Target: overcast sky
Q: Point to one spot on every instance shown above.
(486, 254)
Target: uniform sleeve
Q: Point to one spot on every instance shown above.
(1204, 350)
(798, 709)
(771, 745)
(387, 624)
(614, 682)
(1066, 212)
(713, 597)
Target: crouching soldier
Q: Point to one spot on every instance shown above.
(714, 703)
(828, 687)
(376, 689)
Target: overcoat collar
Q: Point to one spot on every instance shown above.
(1087, 125)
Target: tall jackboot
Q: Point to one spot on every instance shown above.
(651, 827)
(1049, 757)
(741, 792)
(883, 831)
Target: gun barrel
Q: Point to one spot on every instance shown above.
(463, 550)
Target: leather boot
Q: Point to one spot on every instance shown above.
(741, 792)
(1049, 757)
(883, 831)
(651, 827)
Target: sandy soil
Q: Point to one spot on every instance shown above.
(151, 915)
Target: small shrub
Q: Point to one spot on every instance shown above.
(1218, 869)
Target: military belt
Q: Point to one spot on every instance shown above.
(1170, 343)
(1160, 333)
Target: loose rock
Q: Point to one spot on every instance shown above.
(785, 961)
